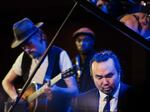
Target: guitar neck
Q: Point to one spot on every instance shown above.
(40, 91)
(56, 79)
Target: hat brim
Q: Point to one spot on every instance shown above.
(17, 43)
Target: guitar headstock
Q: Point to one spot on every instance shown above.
(69, 72)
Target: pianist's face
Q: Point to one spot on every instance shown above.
(138, 22)
(105, 76)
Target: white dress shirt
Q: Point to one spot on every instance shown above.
(113, 101)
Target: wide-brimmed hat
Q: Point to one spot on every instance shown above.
(23, 30)
(83, 31)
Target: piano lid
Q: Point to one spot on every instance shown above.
(114, 23)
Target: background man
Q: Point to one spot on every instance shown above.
(84, 41)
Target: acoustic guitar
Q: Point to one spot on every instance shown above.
(31, 94)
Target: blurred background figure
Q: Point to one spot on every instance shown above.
(133, 13)
(138, 22)
(138, 19)
(84, 41)
(112, 7)
(116, 8)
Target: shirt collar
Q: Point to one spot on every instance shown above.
(117, 92)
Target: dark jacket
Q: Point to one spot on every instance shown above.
(128, 100)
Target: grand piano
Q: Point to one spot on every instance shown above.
(133, 50)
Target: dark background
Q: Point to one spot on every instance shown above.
(135, 59)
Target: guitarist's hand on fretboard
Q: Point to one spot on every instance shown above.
(47, 90)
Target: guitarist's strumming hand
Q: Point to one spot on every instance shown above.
(22, 102)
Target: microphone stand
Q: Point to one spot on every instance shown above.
(41, 60)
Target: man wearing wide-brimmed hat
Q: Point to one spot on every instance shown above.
(32, 40)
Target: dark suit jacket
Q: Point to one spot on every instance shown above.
(128, 100)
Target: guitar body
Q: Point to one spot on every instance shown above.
(36, 98)
(21, 106)
(29, 91)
